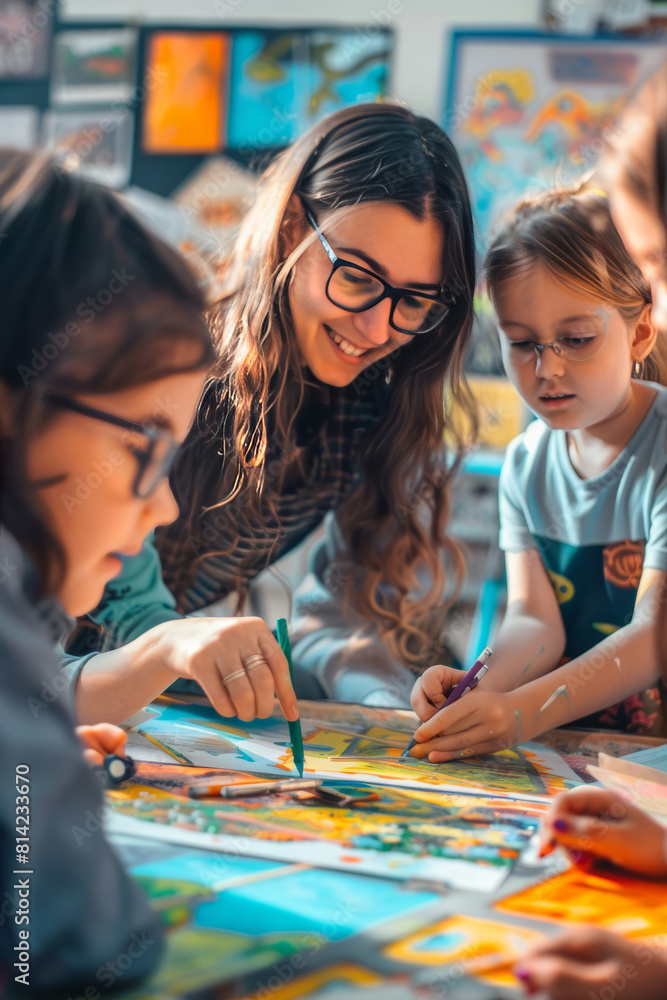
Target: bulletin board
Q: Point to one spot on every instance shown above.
(145, 105)
(528, 110)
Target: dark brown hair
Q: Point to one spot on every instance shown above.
(367, 153)
(91, 302)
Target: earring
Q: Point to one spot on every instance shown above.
(637, 369)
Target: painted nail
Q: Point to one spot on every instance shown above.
(561, 825)
(524, 976)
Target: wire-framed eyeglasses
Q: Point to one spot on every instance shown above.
(154, 462)
(355, 289)
(567, 347)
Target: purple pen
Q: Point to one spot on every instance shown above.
(469, 681)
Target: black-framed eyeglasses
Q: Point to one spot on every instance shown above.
(155, 461)
(355, 289)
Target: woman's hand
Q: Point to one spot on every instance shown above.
(101, 740)
(599, 823)
(479, 722)
(587, 960)
(237, 662)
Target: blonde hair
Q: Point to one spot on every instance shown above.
(570, 232)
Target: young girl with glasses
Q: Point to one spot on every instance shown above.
(345, 319)
(93, 404)
(596, 823)
(583, 493)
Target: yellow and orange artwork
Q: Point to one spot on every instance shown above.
(483, 948)
(185, 105)
(633, 907)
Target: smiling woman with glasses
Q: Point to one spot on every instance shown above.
(336, 353)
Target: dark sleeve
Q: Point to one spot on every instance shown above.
(81, 911)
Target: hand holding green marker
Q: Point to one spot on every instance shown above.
(294, 727)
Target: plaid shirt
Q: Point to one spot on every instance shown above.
(203, 567)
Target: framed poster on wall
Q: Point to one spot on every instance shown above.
(529, 110)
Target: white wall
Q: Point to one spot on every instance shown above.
(421, 27)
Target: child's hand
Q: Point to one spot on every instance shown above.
(587, 960)
(432, 688)
(596, 822)
(479, 722)
(101, 740)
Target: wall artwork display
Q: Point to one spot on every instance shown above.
(25, 40)
(345, 742)
(96, 142)
(93, 67)
(463, 841)
(19, 126)
(283, 81)
(527, 110)
(185, 108)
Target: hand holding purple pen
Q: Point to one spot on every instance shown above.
(468, 682)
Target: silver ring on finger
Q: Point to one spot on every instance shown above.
(234, 676)
(255, 661)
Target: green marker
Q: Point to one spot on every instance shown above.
(294, 727)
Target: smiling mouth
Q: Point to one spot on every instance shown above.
(548, 396)
(345, 346)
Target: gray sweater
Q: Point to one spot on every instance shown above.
(71, 917)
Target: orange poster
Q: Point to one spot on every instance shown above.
(186, 85)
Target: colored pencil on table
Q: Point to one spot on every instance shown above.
(295, 736)
(249, 789)
(469, 681)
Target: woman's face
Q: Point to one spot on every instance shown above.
(337, 345)
(90, 506)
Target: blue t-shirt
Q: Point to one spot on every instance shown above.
(595, 536)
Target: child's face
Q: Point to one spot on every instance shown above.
(91, 506)
(569, 394)
(388, 240)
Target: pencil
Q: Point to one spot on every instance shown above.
(248, 790)
(295, 736)
(162, 746)
(469, 681)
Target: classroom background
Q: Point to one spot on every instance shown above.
(180, 106)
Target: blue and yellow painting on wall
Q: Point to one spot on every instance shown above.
(283, 81)
(529, 111)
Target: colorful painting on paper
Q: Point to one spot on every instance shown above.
(527, 111)
(283, 81)
(340, 978)
(463, 841)
(229, 916)
(93, 67)
(185, 106)
(630, 906)
(485, 949)
(358, 745)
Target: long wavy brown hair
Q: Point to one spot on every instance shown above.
(367, 153)
(570, 232)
